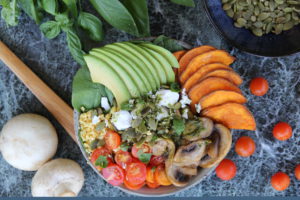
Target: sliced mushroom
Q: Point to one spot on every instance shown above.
(180, 176)
(190, 153)
(196, 130)
(220, 144)
(164, 147)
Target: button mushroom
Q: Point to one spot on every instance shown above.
(196, 130)
(27, 141)
(180, 175)
(163, 147)
(218, 149)
(58, 178)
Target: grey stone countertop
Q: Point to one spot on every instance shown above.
(52, 62)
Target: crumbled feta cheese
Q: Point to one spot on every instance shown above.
(167, 97)
(198, 107)
(185, 113)
(105, 104)
(162, 114)
(122, 119)
(185, 100)
(95, 120)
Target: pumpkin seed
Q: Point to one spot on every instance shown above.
(263, 16)
(230, 13)
(242, 22)
(288, 25)
(257, 32)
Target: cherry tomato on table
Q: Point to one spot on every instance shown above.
(156, 160)
(280, 181)
(136, 173)
(259, 86)
(113, 174)
(226, 170)
(297, 172)
(282, 131)
(245, 146)
(145, 148)
(101, 151)
(112, 139)
(123, 158)
(160, 176)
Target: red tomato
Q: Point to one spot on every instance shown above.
(133, 186)
(245, 146)
(152, 185)
(226, 170)
(297, 172)
(136, 173)
(101, 151)
(123, 158)
(145, 147)
(259, 86)
(112, 139)
(156, 160)
(280, 181)
(113, 174)
(282, 131)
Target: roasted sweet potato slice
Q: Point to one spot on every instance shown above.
(209, 85)
(188, 56)
(232, 115)
(197, 76)
(215, 56)
(220, 97)
(226, 74)
(179, 54)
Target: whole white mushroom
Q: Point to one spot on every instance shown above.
(58, 178)
(27, 141)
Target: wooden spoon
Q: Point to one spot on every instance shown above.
(55, 105)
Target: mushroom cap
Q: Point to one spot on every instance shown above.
(204, 132)
(27, 141)
(58, 178)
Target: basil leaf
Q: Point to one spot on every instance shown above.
(178, 126)
(189, 3)
(72, 7)
(101, 162)
(139, 11)
(50, 29)
(124, 147)
(116, 15)
(74, 45)
(167, 43)
(64, 22)
(50, 6)
(30, 9)
(92, 25)
(144, 157)
(10, 12)
(86, 93)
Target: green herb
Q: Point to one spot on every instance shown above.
(189, 3)
(178, 125)
(92, 25)
(50, 6)
(101, 162)
(32, 9)
(126, 106)
(71, 7)
(50, 29)
(168, 43)
(175, 87)
(144, 157)
(74, 45)
(10, 12)
(124, 147)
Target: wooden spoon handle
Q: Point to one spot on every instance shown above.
(56, 106)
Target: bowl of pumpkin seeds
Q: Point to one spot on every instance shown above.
(261, 27)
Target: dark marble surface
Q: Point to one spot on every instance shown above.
(53, 63)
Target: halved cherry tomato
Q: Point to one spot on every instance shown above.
(259, 86)
(156, 160)
(114, 174)
(145, 147)
(280, 181)
(245, 146)
(226, 170)
(282, 131)
(123, 158)
(133, 186)
(152, 185)
(150, 174)
(112, 139)
(297, 172)
(136, 173)
(101, 151)
(160, 176)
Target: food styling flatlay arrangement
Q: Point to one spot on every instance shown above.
(153, 116)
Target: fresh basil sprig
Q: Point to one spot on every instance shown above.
(101, 162)
(10, 12)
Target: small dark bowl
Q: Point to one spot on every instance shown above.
(271, 45)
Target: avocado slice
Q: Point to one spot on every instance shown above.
(145, 62)
(154, 62)
(165, 65)
(135, 76)
(102, 73)
(132, 87)
(151, 85)
(164, 52)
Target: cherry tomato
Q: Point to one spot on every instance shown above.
(150, 174)
(160, 176)
(123, 158)
(245, 146)
(282, 131)
(113, 174)
(133, 186)
(136, 173)
(152, 185)
(297, 172)
(101, 151)
(145, 147)
(156, 160)
(280, 181)
(226, 170)
(112, 139)
(259, 86)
